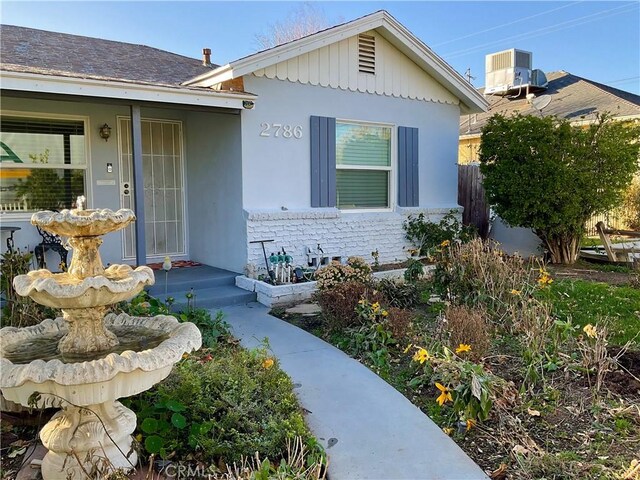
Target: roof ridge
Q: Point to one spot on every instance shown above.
(99, 38)
(607, 90)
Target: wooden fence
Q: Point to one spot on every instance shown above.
(615, 219)
(471, 197)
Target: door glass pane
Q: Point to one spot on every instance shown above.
(163, 193)
(158, 172)
(172, 233)
(156, 138)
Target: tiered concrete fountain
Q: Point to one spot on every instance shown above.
(84, 361)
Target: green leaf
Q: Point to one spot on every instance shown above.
(153, 444)
(175, 406)
(149, 425)
(178, 420)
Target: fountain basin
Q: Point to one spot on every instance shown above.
(113, 376)
(83, 223)
(64, 290)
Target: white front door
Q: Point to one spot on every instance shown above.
(162, 166)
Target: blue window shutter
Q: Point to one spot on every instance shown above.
(408, 167)
(323, 161)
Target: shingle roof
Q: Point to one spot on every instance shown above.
(49, 53)
(573, 98)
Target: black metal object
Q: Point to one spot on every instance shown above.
(272, 274)
(50, 242)
(7, 228)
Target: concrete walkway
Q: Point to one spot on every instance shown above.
(370, 431)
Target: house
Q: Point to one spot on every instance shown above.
(569, 96)
(332, 139)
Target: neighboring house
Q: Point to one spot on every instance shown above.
(574, 98)
(332, 139)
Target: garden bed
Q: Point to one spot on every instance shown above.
(564, 387)
(278, 295)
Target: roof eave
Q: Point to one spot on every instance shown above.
(33, 82)
(470, 100)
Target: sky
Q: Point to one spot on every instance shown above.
(598, 40)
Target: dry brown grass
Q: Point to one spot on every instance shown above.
(339, 303)
(479, 273)
(466, 325)
(399, 321)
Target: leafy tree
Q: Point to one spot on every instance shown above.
(544, 174)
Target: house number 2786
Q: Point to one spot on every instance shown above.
(280, 130)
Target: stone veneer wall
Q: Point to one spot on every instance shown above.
(338, 233)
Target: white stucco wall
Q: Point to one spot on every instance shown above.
(214, 175)
(277, 173)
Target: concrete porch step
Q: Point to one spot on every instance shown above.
(214, 297)
(184, 279)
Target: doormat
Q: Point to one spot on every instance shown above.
(175, 264)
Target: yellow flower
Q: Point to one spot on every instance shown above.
(445, 394)
(384, 313)
(268, 363)
(463, 347)
(185, 355)
(406, 350)
(545, 280)
(447, 430)
(421, 355)
(590, 330)
(470, 424)
(516, 292)
(445, 243)
(376, 307)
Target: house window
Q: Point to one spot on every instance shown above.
(363, 166)
(42, 163)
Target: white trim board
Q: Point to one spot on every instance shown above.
(31, 82)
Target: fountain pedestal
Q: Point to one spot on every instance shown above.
(83, 438)
(94, 361)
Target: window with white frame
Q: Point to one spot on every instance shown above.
(363, 166)
(42, 163)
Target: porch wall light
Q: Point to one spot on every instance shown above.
(105, 132)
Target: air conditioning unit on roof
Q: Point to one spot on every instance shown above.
(510, 71)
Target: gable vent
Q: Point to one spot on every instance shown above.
(367, 54)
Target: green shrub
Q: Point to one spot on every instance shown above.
(221, 404)
(426, 236)
(414, 270)
(355, 270)
(19, 311)
(550, 176)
